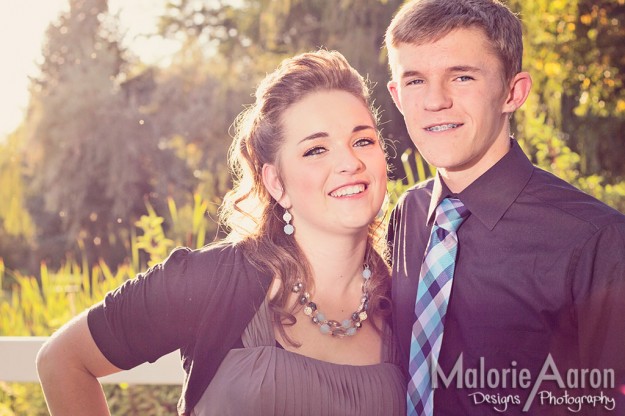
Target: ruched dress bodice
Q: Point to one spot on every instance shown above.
(263, 379)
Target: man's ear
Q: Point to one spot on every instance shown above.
(519, 90)
(392, 88)
(273, 184)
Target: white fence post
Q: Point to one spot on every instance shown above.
(17, 364)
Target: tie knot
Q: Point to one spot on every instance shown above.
(450, 213)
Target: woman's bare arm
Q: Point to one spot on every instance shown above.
(68, 365)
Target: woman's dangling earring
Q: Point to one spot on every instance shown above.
(288, 227)
(382, 212)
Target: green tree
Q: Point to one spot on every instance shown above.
(574, 105)
(594, 98)
(192, 108)
(85, 140)
(574, 51)
(16, 226)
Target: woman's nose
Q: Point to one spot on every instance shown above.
(347, 161)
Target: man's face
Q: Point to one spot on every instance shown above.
(455, 102)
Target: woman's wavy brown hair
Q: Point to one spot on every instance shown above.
(252, 217)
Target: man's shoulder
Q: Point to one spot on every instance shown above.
(413, 204)
(572, 202)
(419, 193)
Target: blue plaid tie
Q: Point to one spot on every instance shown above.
(433, 292)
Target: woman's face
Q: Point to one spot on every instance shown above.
(331, 164)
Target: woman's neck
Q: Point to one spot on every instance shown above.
(336, 262)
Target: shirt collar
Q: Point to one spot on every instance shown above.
(490, 195)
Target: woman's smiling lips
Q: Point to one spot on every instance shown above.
(349, 190)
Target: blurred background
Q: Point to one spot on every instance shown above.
(115, 117)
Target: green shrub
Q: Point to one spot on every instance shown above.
(38, 307)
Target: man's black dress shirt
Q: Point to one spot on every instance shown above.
(540, 270)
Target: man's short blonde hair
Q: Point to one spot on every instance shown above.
(424, 21)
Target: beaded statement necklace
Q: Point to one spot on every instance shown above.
(347, 327)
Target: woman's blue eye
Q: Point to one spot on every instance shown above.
(314, 151)
(364, 142)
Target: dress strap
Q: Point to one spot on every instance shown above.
(259, 332)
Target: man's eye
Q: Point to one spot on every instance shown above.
(464, 78)
(414, 82)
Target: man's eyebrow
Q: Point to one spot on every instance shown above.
(455, 68)
(409, 74)
(464, 68)
(325, 134)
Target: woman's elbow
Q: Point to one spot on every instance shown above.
(49, 361)
(66, 351)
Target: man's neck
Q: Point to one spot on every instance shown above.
(458, 179)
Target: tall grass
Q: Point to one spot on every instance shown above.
(35, 307)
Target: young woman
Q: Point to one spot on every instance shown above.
(288, 315)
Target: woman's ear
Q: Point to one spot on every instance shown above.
(273, 184)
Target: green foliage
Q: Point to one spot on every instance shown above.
(611, 194)
(552, 154)
(38, 309)
(188, 228)
(153, 240)
(134, 135)
(574, 50)
(33, 308)
(557, 117)
(250, 37)
(126, 399)
(17, 399)
(17, 229)
(189, 224)
(14, 220)
(84, 167)
(416, 170)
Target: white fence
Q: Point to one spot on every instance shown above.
(17, 364)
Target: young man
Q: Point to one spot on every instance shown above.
(534, 322)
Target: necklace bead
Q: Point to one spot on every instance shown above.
(346, 327)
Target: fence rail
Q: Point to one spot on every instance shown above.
(17, 364)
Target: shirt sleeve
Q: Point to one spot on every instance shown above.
(142, 320)
(599, 291)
